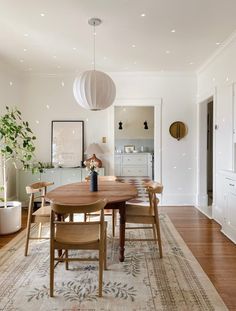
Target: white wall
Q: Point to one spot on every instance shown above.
(10, 95)
(132, 119)
(48, 98)
(217, 79)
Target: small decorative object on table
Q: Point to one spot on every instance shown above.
(92, 167)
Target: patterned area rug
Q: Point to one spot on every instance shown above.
(138, 182)
(144, 282)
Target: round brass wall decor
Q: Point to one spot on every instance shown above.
(178, 130)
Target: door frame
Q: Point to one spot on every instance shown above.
(202, 196)
(146, 102)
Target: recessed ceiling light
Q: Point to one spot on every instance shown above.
(11, 83)
(37, 121)
(21, 61)
(42, 14)
(74, 49)
(217, 43)
(26, 35)
(143, 15)
(167, 52)
(173, 30)
(62, 83)
(191, 63)
(133, 46)
(24, 50)
(47, 106)
(54, 56)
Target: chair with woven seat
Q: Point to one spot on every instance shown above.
(113, 213)
(75, 235)
(141, 214)
(37, 191)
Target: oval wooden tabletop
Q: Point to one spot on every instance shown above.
(79, 193)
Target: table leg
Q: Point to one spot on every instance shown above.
(122, 231)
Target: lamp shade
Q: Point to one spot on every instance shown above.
(94, 90)
(94, 149)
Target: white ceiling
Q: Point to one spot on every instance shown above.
(62, 40)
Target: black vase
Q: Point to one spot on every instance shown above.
(94, 181)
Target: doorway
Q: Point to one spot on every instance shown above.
(205, 157)
(157, 104)
(134, 141)
(210, 152)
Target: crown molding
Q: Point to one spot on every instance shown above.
(221, 48)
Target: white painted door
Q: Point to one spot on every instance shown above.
(223, 143)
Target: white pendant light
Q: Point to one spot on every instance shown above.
(94, 90)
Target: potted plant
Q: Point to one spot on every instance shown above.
(16, 147)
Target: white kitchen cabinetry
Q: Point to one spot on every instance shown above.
(60, 176)
(134, 164)
(229, 210)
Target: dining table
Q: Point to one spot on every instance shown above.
(117, 194)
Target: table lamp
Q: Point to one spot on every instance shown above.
(92, 150)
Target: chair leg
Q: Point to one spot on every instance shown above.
(154, 232)
(113, 222)
(100, 273)
(85, 217)
(66, 262)
(27, 238)
(105, 250)
(159, 237)
(40, 230)
(51, 271)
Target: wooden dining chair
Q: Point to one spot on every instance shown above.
(77, 236)
(37, 193)
(114, 212)
(141, 214)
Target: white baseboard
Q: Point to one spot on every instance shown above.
(206, 210)
(177, 199)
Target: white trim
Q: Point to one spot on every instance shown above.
(169, 199)
(201, 195)
(206, 210)
(221, 48)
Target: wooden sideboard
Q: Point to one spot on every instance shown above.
(60, 176)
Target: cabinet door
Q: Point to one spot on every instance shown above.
(25, 178)
(230, 213)
(134, 171)
(70, 175)
(51, 175)
(135, 159)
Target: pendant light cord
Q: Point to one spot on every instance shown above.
(94, 41)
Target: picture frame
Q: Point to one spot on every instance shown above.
(67, 143)
(129, 148)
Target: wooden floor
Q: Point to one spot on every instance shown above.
(215, 253)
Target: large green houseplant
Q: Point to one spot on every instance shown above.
(17, 147)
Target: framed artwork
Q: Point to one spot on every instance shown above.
(67, 143)
(129, 148)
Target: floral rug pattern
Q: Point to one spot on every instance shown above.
(143, 282)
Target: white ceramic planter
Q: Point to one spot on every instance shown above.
(10, 217)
